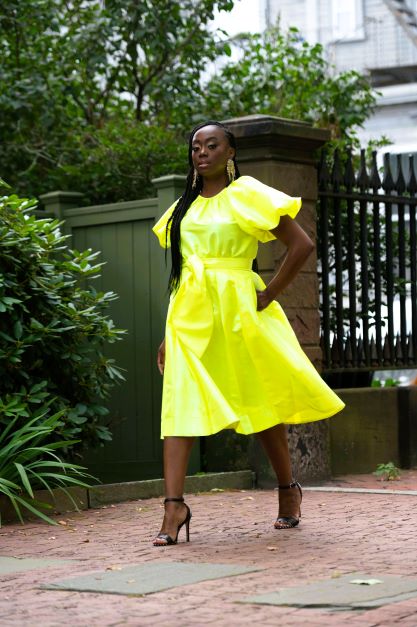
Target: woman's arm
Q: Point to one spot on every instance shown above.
(160, 360)
(299, 247)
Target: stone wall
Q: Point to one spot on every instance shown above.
(378, 425)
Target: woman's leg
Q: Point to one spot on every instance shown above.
(275, 443)
(176, 455)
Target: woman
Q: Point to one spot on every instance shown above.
(230, 358)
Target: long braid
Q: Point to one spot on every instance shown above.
(174, 223)
(184, 203)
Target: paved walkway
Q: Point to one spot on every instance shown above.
(340, 533)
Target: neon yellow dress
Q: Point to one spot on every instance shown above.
(227, 365)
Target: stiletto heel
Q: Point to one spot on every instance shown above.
(167, 539)
(187, 529)
(287, 522)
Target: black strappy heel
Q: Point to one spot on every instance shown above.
(287, 522)
(167, 538)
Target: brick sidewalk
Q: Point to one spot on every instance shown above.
(340, 533)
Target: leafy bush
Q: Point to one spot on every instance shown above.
(387, 472)
(96, 100)
(53, 330)
(119, 161)
(27, 462)
(69, 69)
(387, 383)
(279, 73)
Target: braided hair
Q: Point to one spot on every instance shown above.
(183, 204)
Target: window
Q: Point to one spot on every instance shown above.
(348, 20)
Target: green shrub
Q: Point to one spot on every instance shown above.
(27, 462)
(387, 383)
(119, 161)
(52, 330)
(387, 472)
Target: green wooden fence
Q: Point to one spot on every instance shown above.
(135, 270)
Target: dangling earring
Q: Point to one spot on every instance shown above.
(230, 169)
(195, 177)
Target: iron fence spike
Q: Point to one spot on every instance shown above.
(387, 181)
(363, 178)
(375, 178)
(400, 182)
(349, 175)
(336, 176)
(334, 352)
(348, 350)
(412, 180)
(324, 172)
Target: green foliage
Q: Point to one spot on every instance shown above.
(28, 461)
(387, 383)
(280, 73)
(98, 96)
(119, 161)
(70, 69)
(53, 329)
(387, 472)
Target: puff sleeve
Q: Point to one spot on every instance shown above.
(257, 208)
(160, 227)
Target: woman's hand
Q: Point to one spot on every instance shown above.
(263, 299)
(160, 360)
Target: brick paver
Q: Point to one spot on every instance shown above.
(340, 533)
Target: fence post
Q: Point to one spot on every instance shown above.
(283, 153)
(56, 202)
(168, 188)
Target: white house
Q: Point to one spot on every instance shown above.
(375, 37)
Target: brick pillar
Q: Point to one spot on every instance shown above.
(282, 153)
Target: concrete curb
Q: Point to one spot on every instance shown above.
(360, 490)
(132, 490)
(97, 496)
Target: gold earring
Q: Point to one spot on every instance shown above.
(195, 177)
(230, 169)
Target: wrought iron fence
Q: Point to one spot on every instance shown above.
(367, 263)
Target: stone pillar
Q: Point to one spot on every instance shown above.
(282, 153)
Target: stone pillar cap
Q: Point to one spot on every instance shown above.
(265, 137)
(259, 124)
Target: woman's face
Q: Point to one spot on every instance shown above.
(210, 150)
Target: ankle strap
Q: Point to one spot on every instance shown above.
(175, 499)
(294, 484)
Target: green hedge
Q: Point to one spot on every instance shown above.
(53, 326)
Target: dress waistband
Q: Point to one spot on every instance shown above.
(220, 263)
(191, 312)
